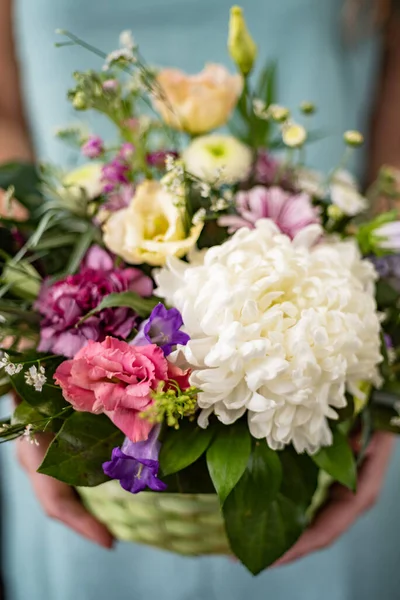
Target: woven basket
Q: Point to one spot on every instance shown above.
(189, 524)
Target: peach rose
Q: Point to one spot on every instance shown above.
(198, 103)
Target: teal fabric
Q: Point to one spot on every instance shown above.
(44, 560)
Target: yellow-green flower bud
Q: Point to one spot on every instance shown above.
(353, 138)
(308, 108)
(334, 212)
(79, 101)
(241, 45)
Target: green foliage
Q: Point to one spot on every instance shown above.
(228, 455)
(261, 522)
(182, 447)
(142, 306)
(338, 461)
(49, 402)
(25, 180)
(78, 451)
(245, 124)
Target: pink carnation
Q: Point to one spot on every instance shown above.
(290, 212)
(117, 379)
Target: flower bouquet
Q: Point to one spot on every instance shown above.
(197, 316)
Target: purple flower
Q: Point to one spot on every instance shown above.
(126, 151)
(157, 159)
(64, 303)
(114, 174)
(388, 267)
(268, 171)
(265, 168)
(162, 328)
(136, 465)
(93, 147)
(120, 198)
(290, 212)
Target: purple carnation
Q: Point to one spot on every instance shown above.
(163, 329)
(136, 464)
(64, 303)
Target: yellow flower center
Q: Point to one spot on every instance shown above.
(155, 227)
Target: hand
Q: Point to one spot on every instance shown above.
(344, 507)
(59, 500)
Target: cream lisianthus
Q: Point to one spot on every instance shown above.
(151, 229)
(197, 103)
(218, 159)
(86, 178)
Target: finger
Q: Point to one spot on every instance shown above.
(59, 501)
(345, 507)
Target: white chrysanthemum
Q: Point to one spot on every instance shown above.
(279, 329)
(218, 159)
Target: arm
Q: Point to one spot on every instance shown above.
(57, 499)
(385, 147)
(14, 138)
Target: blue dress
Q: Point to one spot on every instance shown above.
(43, 559)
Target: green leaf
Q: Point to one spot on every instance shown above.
(338, 461)
(78, 451)
(227, 457)
(182, 447)
(49, 401)
(25, 414)
(142, 306)
(261, 523)
(81, 247)
(25, 179)
(386, 295)
(300, 476)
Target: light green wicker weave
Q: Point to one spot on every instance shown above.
(189, 524)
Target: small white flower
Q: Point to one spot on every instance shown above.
(219, 204)
(293, 135)
(10, 367)
(126, 40)
(36, 377)
(218, 159)
(199, 216)
(205, 190)
(279, 113)
(345, 195)
(260, 109)
(395, 421)
(117, 55)
(29, 435)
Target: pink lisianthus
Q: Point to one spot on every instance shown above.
(64, 303)
(117, 379)
(290, 212)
